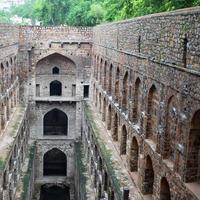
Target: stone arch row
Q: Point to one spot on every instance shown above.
(116, 82)
(7, 106)
(132, 151)
(16, 160)
(149, 180)
(152, 106)
(166, 144)
(144, 111)
(8, 73)
(103, 186)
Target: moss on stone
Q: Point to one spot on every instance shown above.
(104, 151)
(27, 176)
(81, 169)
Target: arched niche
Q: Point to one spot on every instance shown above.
(54, 163)
(55, 122)
(55, 88)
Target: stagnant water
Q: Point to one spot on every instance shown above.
(54, 193)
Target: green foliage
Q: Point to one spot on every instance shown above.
(51, 12)
(92, 12)
(24, 10)
(4, 17)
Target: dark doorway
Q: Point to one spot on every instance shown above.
(55, 70)
(164, 190)
(54, 163)
(55, 88)
(148, 176)
(54, 192)
(86, 91)
(55, 123)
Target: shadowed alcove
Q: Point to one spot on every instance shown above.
(55, 88)
(54, 163)
(55, 123)
(52, 192)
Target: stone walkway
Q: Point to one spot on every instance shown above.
(10, 132)
(122, 172)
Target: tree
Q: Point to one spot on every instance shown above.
(51, 12)
(25, 10)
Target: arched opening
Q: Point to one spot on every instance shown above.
(125, 92)
(109, 118)
(55, 123)
(148, 176)
(55, 88)
(96, 98)
(117, 90)
(55, 70)
(104, 110)
(101, 72)
(152, 114)
(110, 80)
(54, 163)
(193, 157)
(105, 75)
(117, 86)
(99, 102)
(134, 154)
(52, 192)
(115, 128)
(164, 190)
(2, 117)
(112, 195)
(100, 166)
(123, 140)
(99, 191)
(105, 181)
(171, 129)
(136, 99)
(97, 67)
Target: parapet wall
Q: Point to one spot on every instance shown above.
(40, 35)
(9, 36)
(171, 38)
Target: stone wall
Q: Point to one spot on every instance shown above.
(146, 85)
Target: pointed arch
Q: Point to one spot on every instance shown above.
(104, 110)
(164, 190)
(55, 70)
(55, 122)
(52, 192)
(125, 92)
(193, 157)
(115, 128)
(134, 155)
(117, 93)
(123, 145)
(54, 163)
(148, 176)
(136, 99)
(110, 80)
(109, 117)
(105, 75)
(100, 102)
(55, 88)
(171, 129)
(152, 106)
